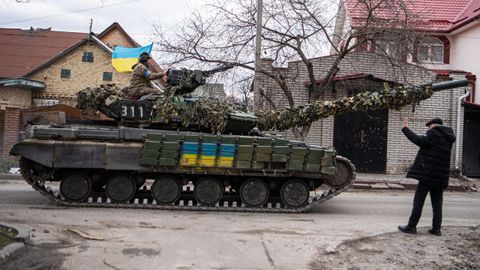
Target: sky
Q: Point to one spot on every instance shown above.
(135, 16)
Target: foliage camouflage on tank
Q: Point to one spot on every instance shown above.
(213, 114)
(395, 98)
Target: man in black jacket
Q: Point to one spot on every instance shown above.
(431, 168)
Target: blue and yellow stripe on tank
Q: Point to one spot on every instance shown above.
(195, 154)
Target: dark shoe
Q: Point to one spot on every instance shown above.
(435, 232)
(407, 229)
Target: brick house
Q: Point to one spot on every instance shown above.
(373, 140)
(41, 67)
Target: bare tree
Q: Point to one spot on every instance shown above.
(292, 30)
(244, 93)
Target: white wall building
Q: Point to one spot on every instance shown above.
(451, 34)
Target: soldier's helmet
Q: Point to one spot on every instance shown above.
(143, 58)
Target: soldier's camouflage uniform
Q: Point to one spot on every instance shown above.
(140, 81)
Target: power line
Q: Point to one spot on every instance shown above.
(70, 12)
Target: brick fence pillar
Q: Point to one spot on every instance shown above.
(11, 132)
(2, 129)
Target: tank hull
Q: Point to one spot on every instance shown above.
(178, 169)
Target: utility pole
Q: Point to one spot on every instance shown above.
(90, 31)
(258, 47)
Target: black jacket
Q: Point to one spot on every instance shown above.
(432, 162)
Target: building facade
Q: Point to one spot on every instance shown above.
(41, 67)
(373, 140)
(71, 72)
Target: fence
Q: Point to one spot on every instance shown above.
(7, 162)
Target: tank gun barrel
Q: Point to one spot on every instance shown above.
(449, 84)
(394, 98)
(209, 73)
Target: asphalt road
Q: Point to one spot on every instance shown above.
(153, 239)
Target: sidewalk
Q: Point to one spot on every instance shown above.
(6, 176)
(397, 182)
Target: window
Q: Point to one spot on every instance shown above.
(87, 57)
(390, 48)
(430, 49)
(65, 73)
(107, 76)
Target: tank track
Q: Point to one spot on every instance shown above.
(39, 184)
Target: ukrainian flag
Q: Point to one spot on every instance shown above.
(124, 58)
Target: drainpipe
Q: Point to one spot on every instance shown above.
(459, 111)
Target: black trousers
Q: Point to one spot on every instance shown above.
(436, 195)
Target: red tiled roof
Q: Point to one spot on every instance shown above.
(428, 15)
(21, 51)
(471, 12)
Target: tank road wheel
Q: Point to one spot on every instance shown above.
(120, 188)
(166, 189)
(208, 191)
(343, 175)
(254, 192)
(294, 193)
(75, 187)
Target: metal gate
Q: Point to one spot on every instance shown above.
(362, 138)
(471, 143)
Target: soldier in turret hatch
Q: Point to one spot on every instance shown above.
(141, 77)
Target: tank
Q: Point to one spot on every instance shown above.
(177, 151)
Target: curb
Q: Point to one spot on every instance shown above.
(13, 249)
(396, 186)
(6, 176)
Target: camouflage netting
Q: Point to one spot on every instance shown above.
(388, 98)
(89, 99)
(212, 114)
(208, 113)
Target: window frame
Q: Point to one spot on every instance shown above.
(65, 73)
(390, 47)
(428, 43)
(88, 57)
(110, 74)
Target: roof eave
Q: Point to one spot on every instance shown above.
(457, 28)
(22, 83)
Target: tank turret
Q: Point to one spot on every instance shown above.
(172, 109)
